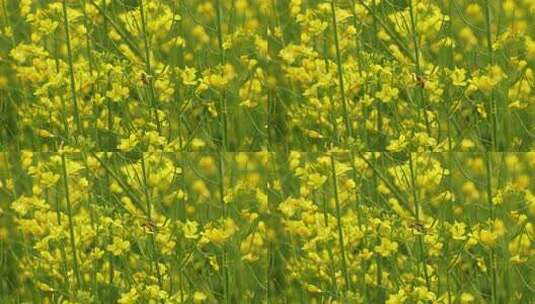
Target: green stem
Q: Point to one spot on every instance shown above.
(71, 224)
(418, 66)
(64, 265)
(152, 234)
(331, 101)
(360, 213)
(226, 271)
(329, 247)
(421, 244)
(63, 104)
(340, 71)
(148, 67)
(87, 37)
(339, 224)
(268, 272)
(71, 69)
(219, 9)
(493, 117)
(494, 287)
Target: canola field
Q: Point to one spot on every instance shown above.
(267, 151)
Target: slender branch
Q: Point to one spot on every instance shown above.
(340, 72)
(339, 224)
(71, 224)
(71, 69)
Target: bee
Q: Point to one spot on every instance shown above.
(145, 78)
(418, 227)
(420, 80)
(150, 226)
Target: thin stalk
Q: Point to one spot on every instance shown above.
(379, 279)
(358, 46)
(92, 215)
(380, 146)
(91, 63)
(71, 69)
(107, 183)
(268, 272)
(357, 40)
(415, 38)
(339, 224)
(152, 234)
(360, 212)
(493, 117)
(63, 105)
(111, 289)
(421, 245)
(226, 272)
(180, 91)
(64, 265)
(329, 249)
(418, 65)
(327, 70)
(219, 9)
(87, 38)
(340, 71)
(488, 163)
(109, 107)
(449, 101)
(375, 21)
(489, 33)
(494, 287)
(148, 67)
(71, 224)
(450, 184)
(270, 245)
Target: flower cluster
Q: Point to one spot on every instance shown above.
(250, 227)
(134, 76)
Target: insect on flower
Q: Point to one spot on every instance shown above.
(149, 226)
(145, 78)
(418, 227)
(421, 80)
